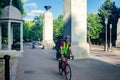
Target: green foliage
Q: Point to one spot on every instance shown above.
(110, 11)
(33, 29)
(95, 27)
(0, 6)
(58, 26)
(106, 8)
(27, 29)
(4, 33)
(17, 3)
(16, 32)
(37, 29)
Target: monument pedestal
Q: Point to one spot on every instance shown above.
(118, 34)
(75, 25)
(48, 29)
(117, 43)
(80, 50)
(48, 45)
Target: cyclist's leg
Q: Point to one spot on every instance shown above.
(64, 62)
(56, 54)
(60, 66)
(60, 62)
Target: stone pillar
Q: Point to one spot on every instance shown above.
(9, 35)
(75, 25)
(0, 38)
(118, 34)
(48, 29)
(21, 36)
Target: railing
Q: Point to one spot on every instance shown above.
(5, 61)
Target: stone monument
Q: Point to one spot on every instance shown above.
(48, 29)
(75, 25)
(118, 34)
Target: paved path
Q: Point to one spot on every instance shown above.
(112, 57)
(40, 64)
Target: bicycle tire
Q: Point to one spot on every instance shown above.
(68, 72)
(60, 69)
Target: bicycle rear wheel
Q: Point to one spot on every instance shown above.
(68, 72)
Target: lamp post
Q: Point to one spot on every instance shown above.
(110, 37)
(106, 45)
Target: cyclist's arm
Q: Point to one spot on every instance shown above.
(70, 51)
(61, 45)
(61, 51)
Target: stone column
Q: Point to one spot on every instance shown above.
(118, 34)
(21, 36)
(9, 35)
(48, 29)
(75, 25)
(0, 38)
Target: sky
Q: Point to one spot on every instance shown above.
(36, 7)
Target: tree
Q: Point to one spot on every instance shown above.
(110, 11)
(33, 29)
(27, 29)
(17, 3)
(37, 29)
(58, 26)
(0, 7)
(95, 28)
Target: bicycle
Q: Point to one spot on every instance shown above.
(65, 67)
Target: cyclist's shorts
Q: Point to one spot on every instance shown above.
(67, 56)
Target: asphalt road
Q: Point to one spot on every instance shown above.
(38, 64)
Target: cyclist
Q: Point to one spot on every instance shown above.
(57, 47)
(65, 49)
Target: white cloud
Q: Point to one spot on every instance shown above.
(33, 13)
(31, 5)
(25, 0)
(37, 11)
(28, 19)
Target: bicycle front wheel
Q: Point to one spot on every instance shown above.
(60, 68)
(68, 72)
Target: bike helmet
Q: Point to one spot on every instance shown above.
(67, 36)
